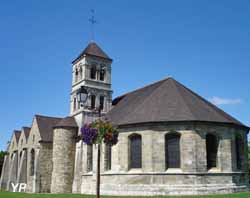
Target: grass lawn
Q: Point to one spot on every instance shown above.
(25, 195)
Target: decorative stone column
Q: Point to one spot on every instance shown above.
(64, 155)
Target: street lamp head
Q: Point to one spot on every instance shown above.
(82, 95)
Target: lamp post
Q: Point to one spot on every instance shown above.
(82, 96)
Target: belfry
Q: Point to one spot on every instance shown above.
(171, 141)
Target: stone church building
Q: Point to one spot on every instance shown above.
(171, 141)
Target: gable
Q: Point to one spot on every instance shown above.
(34, 134)
(13, 142)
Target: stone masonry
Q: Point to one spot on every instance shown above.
(50, 156)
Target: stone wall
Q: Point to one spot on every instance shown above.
(17, 165)
(45, 167)
(33, 181)
(63, 160)
(191, 178)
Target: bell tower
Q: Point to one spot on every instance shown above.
(91, 69)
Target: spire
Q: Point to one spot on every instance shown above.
(93, 50)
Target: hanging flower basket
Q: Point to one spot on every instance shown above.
(99, 132)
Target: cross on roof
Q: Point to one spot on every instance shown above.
(92, 21)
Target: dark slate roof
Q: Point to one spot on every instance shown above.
(17, 135)
(45, 125)
(26, 132)
(165, 101)
(93, 50)
(67, 122)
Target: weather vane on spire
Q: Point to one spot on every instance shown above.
(92, 22)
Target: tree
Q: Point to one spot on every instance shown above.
(2, 154)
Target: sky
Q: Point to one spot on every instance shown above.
(202, 44)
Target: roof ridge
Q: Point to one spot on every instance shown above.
(161, 82)
(26, 127)
(146, 86)
(183, 100)
(217, 109)
(37, 115)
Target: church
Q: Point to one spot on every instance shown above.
(171, 141)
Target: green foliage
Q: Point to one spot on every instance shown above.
(2, 154)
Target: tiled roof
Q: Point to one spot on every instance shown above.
(165, 101)
(45, 125)
(93, 50)
(26, 132)
(17, 134)
(67, 122)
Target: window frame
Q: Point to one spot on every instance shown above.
(108, 158)
(93, 101)
(170, 161)
(89, 158)
(93, 72)
(212, 149)
(32, 162)
(238, 151)
(135, 151)
(101, 102)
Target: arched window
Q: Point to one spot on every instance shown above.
(101, 102)
(108, 156)
(212, 150)
(76, 75)
(238, 148)
(32, 162)
(89, 158)
(102, 74)
(74, 104)
(92, 98)
(93, 72)
(80, 71)
(135, 151)
(172, 150)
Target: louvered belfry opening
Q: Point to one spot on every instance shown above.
(172, 150)
(93, 72)
(212, 150)
(135, 151)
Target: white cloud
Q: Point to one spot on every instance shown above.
(225, 101)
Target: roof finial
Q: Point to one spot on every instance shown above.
(92, 23)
